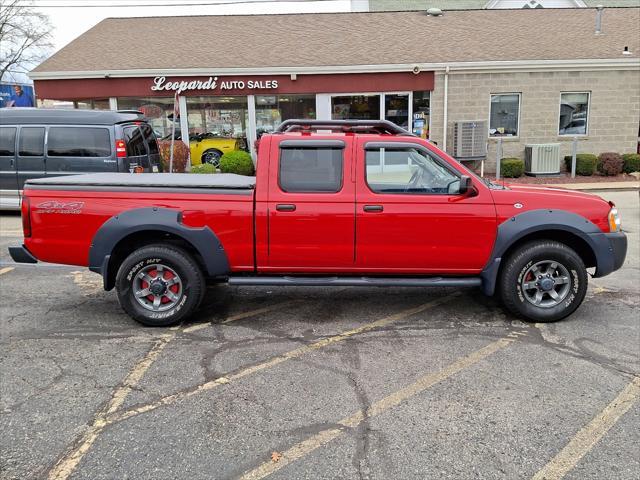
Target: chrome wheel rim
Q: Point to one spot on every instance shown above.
(157, 288)
(212, 158)
(546, 284)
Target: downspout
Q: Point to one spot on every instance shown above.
(446, 108)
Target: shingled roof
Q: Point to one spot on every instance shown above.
(347, 39)
(395, 5)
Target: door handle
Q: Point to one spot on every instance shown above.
(373, 208)
(285, 207)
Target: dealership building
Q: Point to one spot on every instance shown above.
(471, 81)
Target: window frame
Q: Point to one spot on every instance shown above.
(517, 135)
(81, 127)
(311, 145)
(586, 130)
(405, 146)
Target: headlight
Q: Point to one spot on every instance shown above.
(615, 224)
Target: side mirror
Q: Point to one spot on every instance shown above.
(465, 184)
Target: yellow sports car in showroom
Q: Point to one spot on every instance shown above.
(209, 147)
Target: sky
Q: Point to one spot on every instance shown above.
(75, 18)
(70, 23)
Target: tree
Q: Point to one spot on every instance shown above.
(25, 37)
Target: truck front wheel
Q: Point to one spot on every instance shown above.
(159, 285)
(543, 281)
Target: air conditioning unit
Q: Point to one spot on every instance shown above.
(542, 159)
(470, 140)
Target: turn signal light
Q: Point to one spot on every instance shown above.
(615, 224)
(121, 149)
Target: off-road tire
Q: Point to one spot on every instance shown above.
(175, 262)
(517, 276)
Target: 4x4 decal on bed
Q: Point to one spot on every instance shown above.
(59, 207)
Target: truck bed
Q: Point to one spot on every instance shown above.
(150, 180)
(67, 211)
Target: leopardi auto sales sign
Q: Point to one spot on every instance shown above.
(212, 83)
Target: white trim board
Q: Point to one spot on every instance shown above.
(454, 67)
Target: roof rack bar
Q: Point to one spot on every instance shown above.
(377, 126)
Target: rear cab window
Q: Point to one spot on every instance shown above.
(312, 168)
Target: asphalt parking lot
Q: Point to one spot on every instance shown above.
(300, 383)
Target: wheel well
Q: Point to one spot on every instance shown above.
(137, 240)
(571, 240)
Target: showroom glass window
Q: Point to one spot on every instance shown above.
(355, 107)
(98, 104)
(505, 115)
(271, 110)
(157, 110)
(396, 109)
(218, 117)
(574, 113)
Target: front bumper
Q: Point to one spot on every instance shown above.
(618, 243)
(611, 252)
(22, 255)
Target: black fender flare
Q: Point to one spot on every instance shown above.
(517, 227)
(203, 239)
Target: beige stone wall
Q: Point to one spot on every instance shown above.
(614, 113)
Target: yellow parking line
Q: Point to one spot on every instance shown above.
(298, 352)
(6, 270)
(240, 316)
(322, 438)
(110, 414)
(67, 464)
(590, 434)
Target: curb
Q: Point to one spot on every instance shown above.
(607, 187)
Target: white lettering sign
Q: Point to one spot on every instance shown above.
(162, 84)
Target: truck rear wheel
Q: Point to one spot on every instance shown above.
(543, 281)
(159, 285)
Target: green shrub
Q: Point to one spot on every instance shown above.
(585, 163)
(610, 163)
(180, 155)
(238, 162)
(511, 167)
(203, 168)
(631, 162)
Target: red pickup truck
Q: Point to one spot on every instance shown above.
(343, 203)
